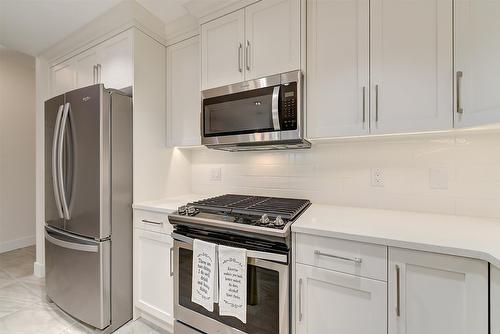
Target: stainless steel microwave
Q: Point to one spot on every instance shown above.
(265, 113)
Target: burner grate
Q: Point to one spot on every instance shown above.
(287, 208)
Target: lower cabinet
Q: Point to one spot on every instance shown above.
(495, 299)
(333, 302)
(436, 294)
(153, 280)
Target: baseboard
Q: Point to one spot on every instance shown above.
(39, 269)
(9, 245)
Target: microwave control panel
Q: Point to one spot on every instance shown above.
(288, 116)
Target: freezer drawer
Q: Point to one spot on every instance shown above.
(78, 276)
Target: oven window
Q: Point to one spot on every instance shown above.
(240, 113)
(262, 298)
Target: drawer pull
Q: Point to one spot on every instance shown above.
(355, 260)
(300, 299)
(152, 222)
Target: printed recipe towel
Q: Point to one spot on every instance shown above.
(233, 282)
(204, 285)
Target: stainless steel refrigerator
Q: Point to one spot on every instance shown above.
(88, 205)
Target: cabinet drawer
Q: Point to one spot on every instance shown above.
(152, 221)
(356, 258)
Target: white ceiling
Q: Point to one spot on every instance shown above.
(32, 26)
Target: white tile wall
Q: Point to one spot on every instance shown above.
(466, 165)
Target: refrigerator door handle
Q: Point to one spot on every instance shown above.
(70, 245)
(55, 184)
(60, 174)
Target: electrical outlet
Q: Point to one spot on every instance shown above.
(216, 174)
(377, 177)
(438, 178)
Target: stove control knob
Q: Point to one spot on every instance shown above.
(182, 210)
(264, 220)
(279, 221)
(191, 210)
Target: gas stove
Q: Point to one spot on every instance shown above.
(242, 214)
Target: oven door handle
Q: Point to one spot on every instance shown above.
(250, 253)
(275, 108)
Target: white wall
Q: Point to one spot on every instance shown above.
(17, 150)
(466, 164)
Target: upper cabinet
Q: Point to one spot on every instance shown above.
(183, 93)
(383, 67)
(272, 32)
(337, 68)
(222, 50)
(259, 40)
(109, 63)
(411, 65)
(477, 62)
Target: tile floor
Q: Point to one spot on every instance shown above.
(24, 308)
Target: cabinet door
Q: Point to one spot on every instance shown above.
(477, 56)
(337, 68)
(333, 302)
(411, 65)
(436, 294)
(86, 71)
(222, 50)
(183, 93)
(116, 61)
(495, 299)
(62, 77)
(153, 285)
(272, 30)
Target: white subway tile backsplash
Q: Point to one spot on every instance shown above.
(339, 173)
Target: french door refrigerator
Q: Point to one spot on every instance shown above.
(88, 205)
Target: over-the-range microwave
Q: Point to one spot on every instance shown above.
(259, 114)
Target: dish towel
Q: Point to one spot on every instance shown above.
(233, 282)
(205, 280)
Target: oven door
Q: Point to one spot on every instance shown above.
(267, 295)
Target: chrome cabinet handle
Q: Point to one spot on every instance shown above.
(376, 103)
(364, 104)
(356, 259)
(55, 152)
(300, 299)
(247, 55)
(152, 222)
(171, 261)
(64, 120)
(275, 113)
(99, 73)
(460, 75)
(398, 289)
(240, 48)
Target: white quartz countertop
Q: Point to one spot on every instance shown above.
(168, 205)
(456, 235)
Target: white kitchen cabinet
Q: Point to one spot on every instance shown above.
(62, 77)
(337, 68)
(495, 299)
(115, 61)
(183, 93)
(411, 65)
(153, 282)
(110, 63)
(435, 293)
(222, 50)
(272, 32)
(333, 302)
(259, 40)
(86, 69)
(477, 57)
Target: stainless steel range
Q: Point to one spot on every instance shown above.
(259, 224)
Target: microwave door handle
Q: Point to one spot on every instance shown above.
(275, 108)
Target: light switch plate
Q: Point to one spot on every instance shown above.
(438, 178)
